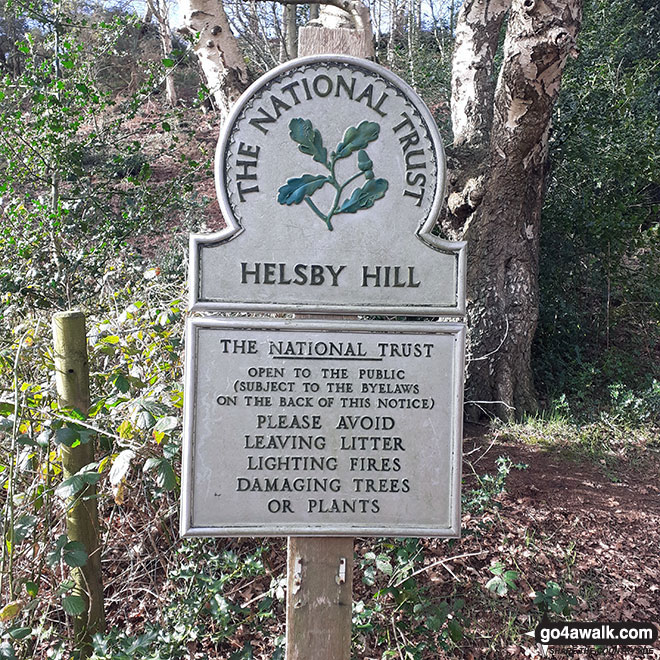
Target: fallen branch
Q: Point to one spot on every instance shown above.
(441, 562)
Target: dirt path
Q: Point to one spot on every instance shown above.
(593, 530)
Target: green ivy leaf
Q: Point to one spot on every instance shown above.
(364, 197)
(6, 408)
(121, 383)
(53, 557)
(74, 484)
(295, 190)
(309, 139)
(19, 633)
(23, 527)
(66, 436)
(7, 651)
(144, 420)
(497, 585)
(357, 138)
(165, 424)
(383, 564)
(455, 630)
(165, 477)
(32, 588)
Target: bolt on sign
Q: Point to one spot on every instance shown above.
(330, 175)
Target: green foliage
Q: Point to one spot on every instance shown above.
(635, 408)
(609, 438)
(426, 67)
(600, 303)
(502, 580)
(490, 486)
(135, 361)
(75, 180)
(554, 599)
(403, 613)
(204, 609)
(71, 553)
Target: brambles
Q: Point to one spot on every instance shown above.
(404, 615)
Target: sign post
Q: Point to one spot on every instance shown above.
(330, 174)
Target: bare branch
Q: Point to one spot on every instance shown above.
(355, 8)
(346, 5)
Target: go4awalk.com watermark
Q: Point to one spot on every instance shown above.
(570, 633)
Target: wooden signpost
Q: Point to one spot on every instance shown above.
(330, 174)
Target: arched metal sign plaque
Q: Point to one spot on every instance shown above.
(330, 175)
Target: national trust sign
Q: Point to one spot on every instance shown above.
(330, 175)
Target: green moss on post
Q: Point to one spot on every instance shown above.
(82, 523)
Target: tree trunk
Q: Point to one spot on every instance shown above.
(82, 520)
(217, 50)
(501, 140)
(291, 31)
(160, 12)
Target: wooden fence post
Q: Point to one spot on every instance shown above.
(82, 523)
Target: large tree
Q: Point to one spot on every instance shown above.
(503, 93)
(501, 123)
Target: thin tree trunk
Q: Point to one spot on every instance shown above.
(160, 12)
(497, 191)
(413, 40)
(291, 31)
(472, 81)
(82, 522)
(390, 37)
(282, 29)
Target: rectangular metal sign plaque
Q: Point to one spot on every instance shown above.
(322, 428)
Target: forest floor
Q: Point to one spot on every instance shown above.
(534, 505)
(592, 526)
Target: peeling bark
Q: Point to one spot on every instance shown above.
(497, 190)
(217, 50)
(477, 34)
